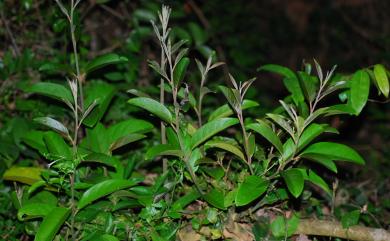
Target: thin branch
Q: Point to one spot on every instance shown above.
(335, 229)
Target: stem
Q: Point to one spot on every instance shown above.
(246, 141)
(73, 207)
(75, 53)
(199, 109)
(162, 126)
(318, 98)
(177, 130)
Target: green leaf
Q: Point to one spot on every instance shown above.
(51, 224)
(317, 180)
(53, 124)
(125, 132)
(323, 160)
(266, 131)
(55, 67)
(106, 237)
(210, 129)
(185, 200)
(52, 90)
(291, 80)
(282, 226)
(334, 151)
(104, 159)
(278, 69)
(289, 149)
(163, 150)
(381, 79)
(102, 189)
(102, 93)
(216, 198)
(295, 181)
(282, 122)
(124, 140)
(215, 172)
(97, 139)
(34, 210)
(360, 88)
(309, 134)
(127, 127)
(180, 70)
(231, 95)
(252, 188)
(309, 85)
(56, 146)
(27, 175)
(226, 146)
(103, 61)
(35, 140)
(351, 218)
(153, 107)
(226, 111)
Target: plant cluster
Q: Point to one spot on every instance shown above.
(181, 172)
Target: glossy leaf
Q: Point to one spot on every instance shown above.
(56, 146)
(317, 180)
(295, 181)
(34, 210)
(216, 198)
(130, 126)
(124, 140)
(252, 188)
(52, 90)
(35, 140)
(27, 175)
(282, 122)
(55, 67)
(101, 93)
(53, 124)
(309, 134)
(360, 88)
(103, 189)
(323, 160)
(381, 79)
(266, 131)
(226, 111)
(210, 129)
(51, 224)
(185, 200)
(103, 61)
(163, 150)
(180, 70)
(154, 107)
(334, 151)
(226, 146)
(231, 95)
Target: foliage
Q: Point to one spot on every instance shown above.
(81, 174)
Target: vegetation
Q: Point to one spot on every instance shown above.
(91, 149)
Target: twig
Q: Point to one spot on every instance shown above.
(335, 229)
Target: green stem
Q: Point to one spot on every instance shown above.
(73, 207)
(75, 53)
(246, 142)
